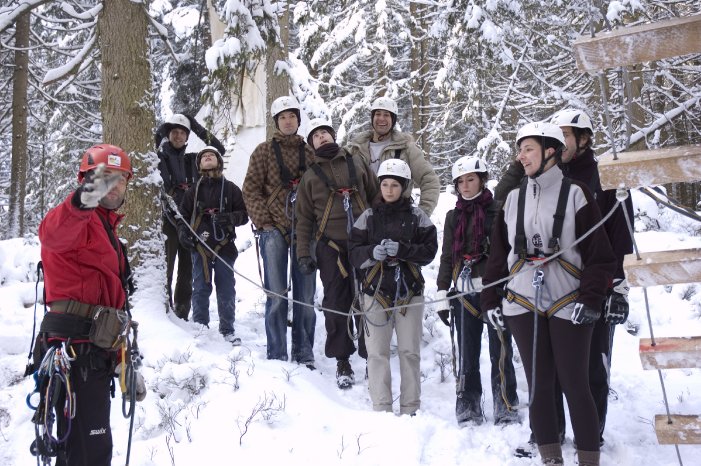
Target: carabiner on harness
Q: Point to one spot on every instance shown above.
(538, 285)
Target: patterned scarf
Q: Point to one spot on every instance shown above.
(476, 208)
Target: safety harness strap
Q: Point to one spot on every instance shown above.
(285, 175)
(521, 245)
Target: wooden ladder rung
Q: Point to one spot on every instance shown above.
(671, 353)
(663, 267)
(651, 167)
(638, 44)
(683, 430)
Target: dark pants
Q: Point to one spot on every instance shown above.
(183, 284)
(90, 439)
(338, 295)
(469, 387)
(562, 352)
(217, 271)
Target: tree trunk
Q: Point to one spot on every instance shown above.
(419, 68)
(277, 84)
(20, 78)
(128, 122)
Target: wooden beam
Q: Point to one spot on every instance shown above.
(663, 267)
(638, 44)
(683, 430)
(651, 167)
(671, 353)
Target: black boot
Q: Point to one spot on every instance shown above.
(344, 374)
(468, 411)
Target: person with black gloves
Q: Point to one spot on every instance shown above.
(213, 207)
(465, 251)
(579, 163)
(333, 191)
(179, 171)
(390, 242)
(555, 302)
(86, 281)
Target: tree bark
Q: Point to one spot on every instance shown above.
(128, 121)
(419, 68)
(20, 79)
(277, 84)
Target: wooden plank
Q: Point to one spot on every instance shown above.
(638, 44)
(671, 353)
(684, 429)
(663, 267)
(651, 167)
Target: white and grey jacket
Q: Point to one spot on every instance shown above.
(589, 266)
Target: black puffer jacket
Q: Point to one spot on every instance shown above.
(418, 244)
(215, 197)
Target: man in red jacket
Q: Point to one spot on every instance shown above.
(86, 281)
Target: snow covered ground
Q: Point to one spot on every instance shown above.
(209, 403)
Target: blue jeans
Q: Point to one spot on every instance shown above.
(202, 290)
(276, 254)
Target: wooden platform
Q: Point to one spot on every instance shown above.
(638, 44)
(663, 267)
(670, 353)
(684, 429)
(651, 167)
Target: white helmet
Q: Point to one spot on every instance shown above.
(286, 102)
(385, 103)
(538, 130)
(317, 123)
(394, 168)
(572, 117)
(178, 120)
(215, 151)
(468, 164)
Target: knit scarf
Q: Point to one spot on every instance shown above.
(327, 151)
(476, 208)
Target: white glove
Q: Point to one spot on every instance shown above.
(392, 247)
(442, 303)
(379, 253)
(96, 185)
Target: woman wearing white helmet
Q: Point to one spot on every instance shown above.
(463, 258)
(389, 243)
(557, 302)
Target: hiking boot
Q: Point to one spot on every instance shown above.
(468, 412)
(309, 365)
(233, 339)
(182, 311)
(551, 454)
(529, 450)
(588, 458)
(344, 374)
(506, 417)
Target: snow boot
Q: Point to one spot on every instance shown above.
(588, 458)
(233, 339)
(344, 374)
(551, 454)
(529, 450)
(182, 311)
(468, 411)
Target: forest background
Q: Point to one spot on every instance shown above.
(466, 75)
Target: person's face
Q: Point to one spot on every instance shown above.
(320, 137)
(382, 123)
(177, 137)
(469, 185)
(570, 151)
(287, 122)
(530, 155)
(115, 198)
(208, 161)
(391, 190)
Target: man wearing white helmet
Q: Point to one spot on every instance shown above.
(550, 308)
(390, 242)
(179, 171)
(335, 190)
(384, 142)
(579, 163)
(269, 191)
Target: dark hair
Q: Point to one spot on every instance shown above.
(484, 176)
(394, 117)
(293, 110)
(579, 132)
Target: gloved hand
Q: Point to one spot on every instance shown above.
(185, 237)
(584, 314)
(239, 217)
(443, 306)
(96, 184)
(617, 307)
(306, 265)
(223, 219)
(379, 253)
(195, 125)
(495, 317)
(392, 247)
(138, 380)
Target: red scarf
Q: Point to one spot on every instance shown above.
(476, 208)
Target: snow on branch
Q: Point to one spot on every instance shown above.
(73, 64)
(9, 14)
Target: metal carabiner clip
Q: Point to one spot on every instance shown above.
(538, 278)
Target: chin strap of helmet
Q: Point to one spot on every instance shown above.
(544, 160)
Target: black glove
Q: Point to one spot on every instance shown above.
(444, 315)
(240, 217)
(584, 314)
(223, 219)
(195, 126)
(306, 265)
(185, 237)
(617, 307)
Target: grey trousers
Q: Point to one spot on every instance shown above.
(379, 330)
